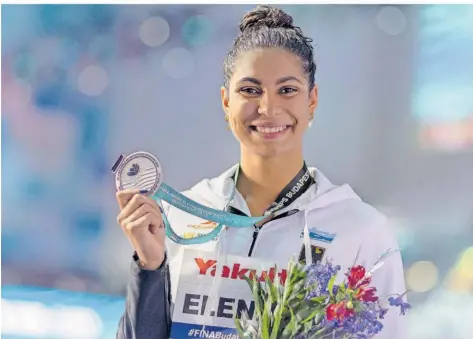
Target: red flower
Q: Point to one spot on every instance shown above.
(367, 294)
(357, 273)
(339, 311)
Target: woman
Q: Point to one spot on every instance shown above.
(269, 98)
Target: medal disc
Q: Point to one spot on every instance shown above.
(139, 170)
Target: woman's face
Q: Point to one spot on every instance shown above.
(268, 102)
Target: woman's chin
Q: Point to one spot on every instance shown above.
(269, 150)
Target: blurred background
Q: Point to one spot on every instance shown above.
(82, 84)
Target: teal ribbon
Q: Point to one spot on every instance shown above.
(178, 200)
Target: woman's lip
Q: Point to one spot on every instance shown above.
(270, 132)
(269, 125)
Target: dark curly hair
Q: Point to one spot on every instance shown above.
(266, 27)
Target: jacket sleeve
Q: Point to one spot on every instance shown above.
(148, 303)
(389, 278)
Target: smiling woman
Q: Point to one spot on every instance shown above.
(269, 98)
(269, 93)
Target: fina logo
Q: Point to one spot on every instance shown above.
(134, 170)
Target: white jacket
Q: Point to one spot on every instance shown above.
(360, 232)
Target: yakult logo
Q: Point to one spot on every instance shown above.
(238, 272)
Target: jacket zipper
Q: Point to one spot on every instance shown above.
(258, 228)
(255, 236)
(234, 210)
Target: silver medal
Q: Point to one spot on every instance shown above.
(138, 170)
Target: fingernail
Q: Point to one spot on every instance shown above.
(144, 191)
(161, 209)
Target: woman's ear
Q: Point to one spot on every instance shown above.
(313, 99)
(225, 99)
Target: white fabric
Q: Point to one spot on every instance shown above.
(362, 234)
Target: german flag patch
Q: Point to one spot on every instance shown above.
(317, 254)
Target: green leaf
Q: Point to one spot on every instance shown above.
(331, 282)
(291, 326)
(357, 306)
(271, 288)
(239, 328)
(244, 328)
(266, 321)
(250, 282)
(312, 315)
(308, 326)
(277, 321)
(258, 298)
(320, 299)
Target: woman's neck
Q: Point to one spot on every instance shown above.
(262, 179)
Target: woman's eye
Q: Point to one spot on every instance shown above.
(249, 90)
(287, 90)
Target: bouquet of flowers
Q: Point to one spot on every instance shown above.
(311, 305)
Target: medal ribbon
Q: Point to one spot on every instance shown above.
(301, 182)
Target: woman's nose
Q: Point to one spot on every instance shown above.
(268, 105)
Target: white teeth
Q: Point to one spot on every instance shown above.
(269, 130)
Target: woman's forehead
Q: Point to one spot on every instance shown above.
(267, 63)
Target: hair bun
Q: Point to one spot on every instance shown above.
(265, 15)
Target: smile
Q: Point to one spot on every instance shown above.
(268, 131)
